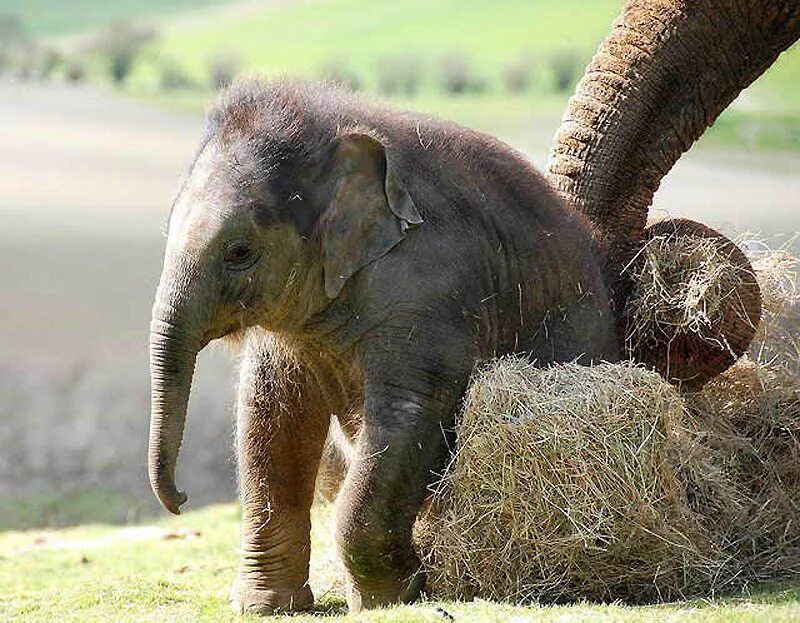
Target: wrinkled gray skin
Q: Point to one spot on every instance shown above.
(374, 258)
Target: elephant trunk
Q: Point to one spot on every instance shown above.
(663, 75)
(173, 352)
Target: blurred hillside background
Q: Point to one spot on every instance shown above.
(100, 106)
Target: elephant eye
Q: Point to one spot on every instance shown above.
(239, 255)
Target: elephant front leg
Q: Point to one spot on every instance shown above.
(400, 451)
(280, 435)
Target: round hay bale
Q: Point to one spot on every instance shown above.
(563, 488)
(694, 305)
(605, 483)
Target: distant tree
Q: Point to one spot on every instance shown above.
(174, 77)
(49, 61)
(518, 74)
(16, 47)
(25, 67)
(12, 32)
(6, 61)
(338, 71)
(74, 70)
(457, 76)
(222, 70)
(399, 74)
(566, 68)
(121, 44)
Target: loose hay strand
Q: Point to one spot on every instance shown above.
(777, 342)
(682, 284)
(572, 484)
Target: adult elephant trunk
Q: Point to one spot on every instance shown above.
(663, 75)
(173, 351)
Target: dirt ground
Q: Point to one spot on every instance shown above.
(86, 180)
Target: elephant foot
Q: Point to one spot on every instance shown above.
(248, 598)
(361, 598)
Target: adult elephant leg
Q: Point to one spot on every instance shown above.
(282, 423)
(400, 450)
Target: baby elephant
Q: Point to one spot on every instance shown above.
(367, 259)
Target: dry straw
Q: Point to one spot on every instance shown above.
(605, 483)
(562, 489)
(694, 302)
(746, 428)
(777, 342)
(681, 284)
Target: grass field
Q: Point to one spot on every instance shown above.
(86, 242)
(179, 569)
(302, 38)
(51, 17)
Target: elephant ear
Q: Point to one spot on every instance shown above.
(370, 211)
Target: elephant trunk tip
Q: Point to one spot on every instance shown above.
(172, 500)
(168, 494)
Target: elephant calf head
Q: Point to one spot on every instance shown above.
(273, 219)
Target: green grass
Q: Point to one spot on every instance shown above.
(48, 509)
(97, 572)
(300, 38)
(277, 38)
(756, 130)
(58, 17)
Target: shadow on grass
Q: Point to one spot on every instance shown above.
(330, 604)
(778, 592)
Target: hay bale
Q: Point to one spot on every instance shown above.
(694, 303)
(563, 488)
(604, 483)
(777, 342)
(748, 421)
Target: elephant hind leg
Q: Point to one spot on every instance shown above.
(336, 459)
